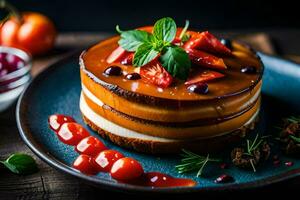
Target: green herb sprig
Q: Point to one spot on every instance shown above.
(20, 163)
(252, 146)
(194, 162)
(291, 120)
(148, 46)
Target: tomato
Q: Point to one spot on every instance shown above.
(90, 146)
(85, 164)
(126, 169)
(203, 76)
(207, 42)
(105, 159)
(71, 133)
(56, 121)
(205, 59)
(156, 74)
(34, 33)
(128, 59)
(117, 55)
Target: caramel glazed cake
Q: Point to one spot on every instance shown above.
(137, 114)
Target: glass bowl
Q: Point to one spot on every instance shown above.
(13, 82)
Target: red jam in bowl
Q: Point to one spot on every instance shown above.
(15, 66)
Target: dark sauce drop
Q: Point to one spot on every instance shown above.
(113, 71)
(249, 70)
(133, 76)
(227, 43)
(198, 88)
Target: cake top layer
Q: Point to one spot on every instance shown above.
(192, 66)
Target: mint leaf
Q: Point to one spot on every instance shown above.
(144, 54)
(19, 163)
(176, 61)
(165, 29)
(296, 139)
(131, 40)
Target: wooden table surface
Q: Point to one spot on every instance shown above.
(49, 183)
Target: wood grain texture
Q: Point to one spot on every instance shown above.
(48, 183)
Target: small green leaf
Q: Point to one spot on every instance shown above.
(165, 29)
(176, 61)
(131, 40)
(144, 54)
(296, 139)
(19, 163)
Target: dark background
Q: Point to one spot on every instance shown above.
(93, 15)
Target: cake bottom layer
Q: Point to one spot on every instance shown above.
(188, 130)
(151, 144)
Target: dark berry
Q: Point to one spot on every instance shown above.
(227, 43)
(113, 71)
(199, 88)
(133, 76)
(249, 70)
(224, 179)
(289, 164)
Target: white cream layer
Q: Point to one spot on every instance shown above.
(124, 132)
(97, 101)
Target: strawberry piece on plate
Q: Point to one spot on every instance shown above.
(205, 59)
(117, 55)
(155, 73)
(203, 76)
(207, 42)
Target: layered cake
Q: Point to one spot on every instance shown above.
(160, 89)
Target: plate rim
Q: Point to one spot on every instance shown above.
(25, 134)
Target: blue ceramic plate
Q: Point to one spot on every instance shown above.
(57, 90)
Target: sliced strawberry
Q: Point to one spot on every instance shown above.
(128, 59)
(154, 73)
(205, 59)
(207, 42)
(117, 55)
(203, 76)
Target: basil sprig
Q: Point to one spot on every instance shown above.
(20, 163)
(148, 46)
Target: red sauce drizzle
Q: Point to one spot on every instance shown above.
(157, 179)
(56, 121)
(95, 157)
